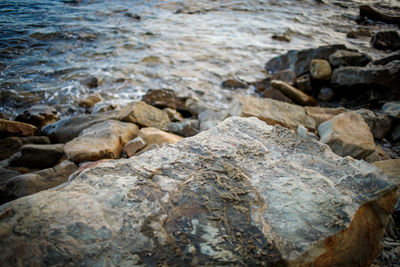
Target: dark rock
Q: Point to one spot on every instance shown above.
(287, 76)
(359, 33)
(15, 128)
(6, 174)
(387, 59)
(295, 94)
(38, 156)
(326, 94)
(165, 98)
(185, 128)
(389, 40)
(234, 84)
(343, 58)
(371, 13)
(262, 85)
(304, 83)
(282, 37)
(276, 95)
(91, 82)
(396, 134)
(39, 115)
(299, 60)
(11, 145)
(379, 124)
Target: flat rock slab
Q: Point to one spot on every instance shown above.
(11, 145)
(242, 193)
(37, 156)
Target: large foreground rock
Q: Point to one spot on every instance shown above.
(240, 194)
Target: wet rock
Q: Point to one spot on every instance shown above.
(287, 76)
(185, 128)
(6, 174)
(234, 84)
(272, 112)
(165, 98)
(91, 82)
(304, 83)
(243, 193)
(387, 59)
(65, 130)
(359, 33)
(396, 134)
(378, 155)
(371, 13)
(155, 136)
(282, 37)
(321, 114)
(320, 69)
(15, 128)
(386, 40)
(299, 60)
(326, 94)
(348, 135)
(145, 115)
(37, 156)
(90, 100)
(275, 94)
(30, 183)
(39, 115)
(293, 93)
(173, 114)
(343, 58)
(133, 146)
(104, 107)
(391, 168)
(379, 124)
(392, 109)
(100, 141)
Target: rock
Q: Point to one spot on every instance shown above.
(39, 115)
(282, 37)
(15, 128)
(155, 136)
(320, 69)
(391, 168)
(272, 112)
(30, 183)
(379, 124)
(91, 82)
(326, 94)
(148, 148)
(65, 130)
(195, 107)
(371, 13)
(11, 145)
(90, 100)
(392, 109)
(343, 58)
(133, 146)
(303, 132)
(185, 128)
(348, 135)
(243, 193)
(287, 76)
(359, 33)
(386, 40)
(104, 107)
(234, 84)
(37, 156)
(145, 115)
(321, 114)
(210, 118)
(6, 174)
(304, 83)
(387, 76)
(276, 94)
(387, 59)
(299, 60)
(378, 155)
(100, 141)
(396, 134)
(173, 114)
(296, 95)
(165, 98)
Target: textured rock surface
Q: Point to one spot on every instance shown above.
(287, 76)
(348, 135)
(293, 93)
(243, 193)
(391, 168)
(38, 156)
(392, 109)
(6, 174)
(133, 146)
(272, 112)
(185, 128)
(348, 58)
(304, 83)
(11, 145)
(163, 98)
(90, 100)
(320, 69)
(14, 128)
(101, 141)
(386, 40)
(379, 124)
(155, 136)
(39, 115)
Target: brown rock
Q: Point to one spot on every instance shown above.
(320, 69)
(15, 128)
(288, 76)
(276, 94)
(391, 168)
(6, 174)
(379, 124)
(11, 145)
(348, 135)
(321, 114)
(155, 136)
(173, 114)
(145, 115)
(386, 40)
(100, 141)
(39, 115)
(378, 155)
(295, 94)
(359, 33)
(91, 82)
(90, 100)
(165, 98)
(185, 128)
(304, 83)
(133, 146)
(371, 13)
(234, 84)
(37, 156)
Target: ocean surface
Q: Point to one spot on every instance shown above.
(48, 48)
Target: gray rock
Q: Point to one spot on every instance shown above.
(343, 58)
(326, 94)
(242, 193)
(287, 76)
(387, 58)
(37, 156)
(185, 128)
(6, 174)
(11, 145)
(392, 109)
(379, 124)
(210, 118)
(39, 115)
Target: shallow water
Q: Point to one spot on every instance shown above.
(48, 47)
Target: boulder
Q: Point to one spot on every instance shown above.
(145, 115)
(321, 114)
(391, 168)
(299, 60)
(90, 100)
(293, 93)
(155, 136)
(15, 128)
(241, 194)
(287, 76)
(272, 112)
(39, 115)
(173, 114)
(320, 69)
(30, 183)
(185, 128)
(101, 141)
(386, 40)
(379, 124)
(342, 58)
(304, 83)
(165, 98)
(392, 109)
(371, 13)
(133, 146)
(37, 156)
(6, 174)
(11, 145)
(348, 135)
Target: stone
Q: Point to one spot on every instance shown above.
(37, 156)
(6, 174)
(299, 60)
(282, 37)
(304, 83)
(326, 94)
(371, 13)
(386, 40)
(391, 168)
(210, 118)
(90, 100)
(185, 128)
(392, 109)
(133, 146)
(165, 98)
(293, 93)
(321, 114)
(243, 193)
(272, 112)
(65, 130)
(91, 82)
(387, 58)
(15, 128)
(347, 134)
(30, 183)
(195, 107)
(276, 95)
(155, 136)
(145, 115)
(39, 115)
(302, 131)
(343, 58)
(379, 124)
(320, 69)
(396, 134)
(234, 84)
(11, 145)
(101, 141)
(359, 34)
(287, 76)
(148, 148)
(378, 155)
(173, 114)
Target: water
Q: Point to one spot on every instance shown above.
(48, 47)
